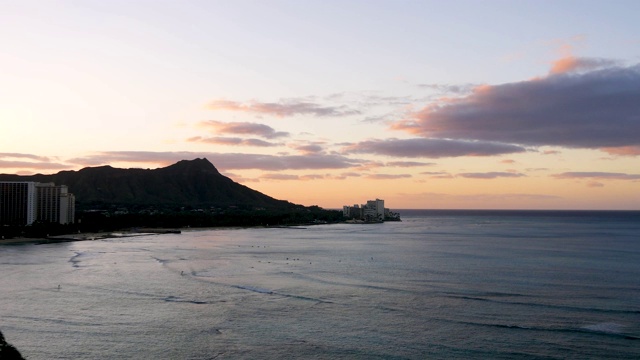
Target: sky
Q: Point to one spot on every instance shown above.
(425, 104)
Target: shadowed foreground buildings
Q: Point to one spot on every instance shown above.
(372, 211)
(25, 202)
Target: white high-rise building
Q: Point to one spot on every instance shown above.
(375, 208)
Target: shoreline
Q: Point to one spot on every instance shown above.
(153, 231)
(86, 237)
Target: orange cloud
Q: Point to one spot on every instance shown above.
(571, 63)
(566, 64)
(623, 150)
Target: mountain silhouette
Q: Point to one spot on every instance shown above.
(186, 183)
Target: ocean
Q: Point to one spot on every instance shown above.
(438, 285)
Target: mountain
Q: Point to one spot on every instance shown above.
(187, 183)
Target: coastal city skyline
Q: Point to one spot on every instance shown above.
(492, 105)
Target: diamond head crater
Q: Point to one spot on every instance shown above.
(189, 193)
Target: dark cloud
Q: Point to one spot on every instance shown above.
(597, 175)
(243, 128)
(311, 148)
(591, 109)
(233, 141)
(490, 175)
(432, 148)
(284, 108)
(226, 161)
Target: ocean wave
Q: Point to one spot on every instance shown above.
(161, 261)
(79, 257)
(271, 292)
(547, 306)
(180, 300)
(605, 329)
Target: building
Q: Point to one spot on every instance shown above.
(54, 204)
(23, 203)
(17, 203)
(372, 211)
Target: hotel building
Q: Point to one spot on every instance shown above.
(17, 203)
(23, 203)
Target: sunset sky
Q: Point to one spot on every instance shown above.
(425, 104)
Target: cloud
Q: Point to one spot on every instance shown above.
(482, 198)
(490, 175)
(597, 175)
(595, 184)
(370, 165)
(591, 109)
(432, 148)
(233, 141)
(408, 163)
(309, 148)
(437, 174)
(16, 161)
(284, 108)
(350, 174)
(279, 177)
(32, 165)
(623, 150)
(24, 156)
(243, 128)
(224, 161)
(387, 176)
(569, 64)
(239, 178)
(508, 161)
(449, 88)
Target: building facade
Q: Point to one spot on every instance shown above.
(23, 203)
(17, 203)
